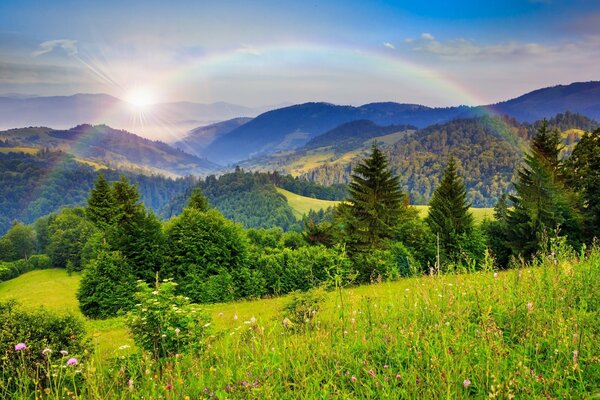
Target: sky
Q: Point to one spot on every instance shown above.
(259, 53)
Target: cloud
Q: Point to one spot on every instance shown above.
(389, 45)
(247, 49)
(68, 45)
(427, 36)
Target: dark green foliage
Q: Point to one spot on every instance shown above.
(136, 232)
(375, 205)
(12, 269)
(107, 285)
(69, 231)
(101, 205)
(19, 242)
(543, 204)
(449, 217)
(495, 232)
(204, 250)
(163, 323)
(38, 330)
(416, 235)
(583, 170)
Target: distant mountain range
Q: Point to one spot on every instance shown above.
(292, 127)
(165, 121)
(102, 146)
(197, 140)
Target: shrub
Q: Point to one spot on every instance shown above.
(164, 323)
(37, 330)
(10, 270)
(302, 307)
(40, 261)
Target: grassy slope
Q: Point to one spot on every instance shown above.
(301, 205)
(55, 290)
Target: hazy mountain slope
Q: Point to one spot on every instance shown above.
(196, 140)
(111, 147)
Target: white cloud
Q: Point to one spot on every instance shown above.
(427, 36)
(68, 45)
(247, 49)
(389, 45)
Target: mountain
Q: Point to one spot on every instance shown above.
(581, 97)
(104, 146)
(196, 140)
(292, 127)
(166, 121)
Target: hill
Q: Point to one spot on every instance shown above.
(292, 127)
(37, 184)
(196, 140)
(110, 147)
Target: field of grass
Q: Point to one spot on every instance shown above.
(54, 289)
(524, 333)
(19, 149)
(302, 205)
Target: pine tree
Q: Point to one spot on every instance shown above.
(197, 200)
(101, 205)
(542, 202)
(375, 204)
(583, 170)
(449, 215)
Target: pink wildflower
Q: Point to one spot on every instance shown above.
(530, 306)
(72, 361)
(20, 346)
(466, 383)
(354, 378)
(372, 372)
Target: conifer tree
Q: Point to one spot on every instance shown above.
(375, 204)
(449, 215)
(101, 206)
(542, 202)
(197, 200)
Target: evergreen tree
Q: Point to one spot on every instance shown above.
(197, 200)
(449, 215)
(542, 202)
(375, 205)
(101, 205)
(583, 169)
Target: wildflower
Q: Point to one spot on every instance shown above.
(530, 306)
(125, 346)
(495, 274)
(130, 384)
(575, 356)
(169, 386)
(253, 320)
(20, 346)
(64, 352)
(398, 376)
(287, 323)
(177, 330)
(46, 351)
(72, 361)
(352, 321)
(163, 335)
(466, 383)
(220, 314)
(354, 378)
(235, 317)
(385, 366)
(372, 372)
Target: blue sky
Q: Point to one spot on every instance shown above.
(348, 52)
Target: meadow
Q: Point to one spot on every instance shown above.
(529, 332)
(301, 205)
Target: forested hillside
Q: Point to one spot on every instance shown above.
(34, 185)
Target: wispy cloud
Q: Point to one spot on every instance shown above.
(389, 45)
(248, 49)
(68, 45)
(427, 36)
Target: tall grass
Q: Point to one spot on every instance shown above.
(525, 333)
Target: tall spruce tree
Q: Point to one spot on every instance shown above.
(197, 200)
(375, 204)
(101, 205)
(583, 171)
(449, 215)
(542, 203)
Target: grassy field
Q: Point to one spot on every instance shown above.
(302, 205)
(526, 333)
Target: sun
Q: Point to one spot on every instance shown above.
(141, 99)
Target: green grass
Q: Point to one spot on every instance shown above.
(513, 333)
(301, 205)
(55, 290)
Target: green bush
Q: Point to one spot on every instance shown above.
(164, 323)
(40, 261)
(302, 307)
(10, 270)
(37, 330)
